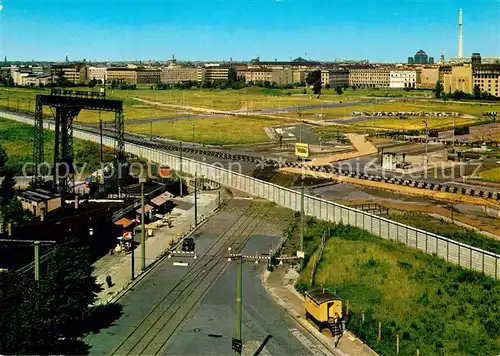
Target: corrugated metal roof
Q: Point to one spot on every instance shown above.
(124, 222)
(321, 295)
(147, 208)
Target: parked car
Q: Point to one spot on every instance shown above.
(188, 244)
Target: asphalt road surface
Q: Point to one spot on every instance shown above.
(174, 308)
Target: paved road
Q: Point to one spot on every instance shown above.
(162, 311)
(261, 316)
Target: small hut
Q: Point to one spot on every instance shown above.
(323, 307)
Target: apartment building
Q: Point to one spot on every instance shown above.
(178, 74)
(428, 77)
(278, 76)
(487, 76)
(201, 75)
(282, 76)
(299, 75)
(127, 75)
(75, 73)
(217, 72)
(335, 78)
(97, 73)
(402, 79)
(460, 79)
(148, 76)
(375, 78)
(259, 74)
(36, 79)
(443, 70)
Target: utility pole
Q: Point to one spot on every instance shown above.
(302, 220)
(239, 296)
(36, 244)
(143, 230)
(37, 260)
(180, 168)
(100, 134)
(151, 130)
(453, 134)
(195, 199)
(193, 135)
(426, 141)
(132, 261)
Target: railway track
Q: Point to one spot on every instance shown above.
(152, 334)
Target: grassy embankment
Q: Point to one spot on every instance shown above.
(447, 229)
(433, 306)
(17, 139)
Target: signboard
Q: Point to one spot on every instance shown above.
(302, 150)
(237, 345)
(164, 171)
(301, 254)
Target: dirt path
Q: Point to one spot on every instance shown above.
(362, 146)
(182, 107)
(458, 198)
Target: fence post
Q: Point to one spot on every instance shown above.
(397, 344)
(379, 336)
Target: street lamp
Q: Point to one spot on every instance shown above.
(142, 180)
(193, 134)
(426, 141)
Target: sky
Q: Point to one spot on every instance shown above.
(377, 30)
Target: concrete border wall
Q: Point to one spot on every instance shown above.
(452, 251)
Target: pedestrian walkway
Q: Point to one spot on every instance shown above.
(118, 266)
(280, 285)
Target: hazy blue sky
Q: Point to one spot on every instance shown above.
(378, 30)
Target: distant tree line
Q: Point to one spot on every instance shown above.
(477, 94)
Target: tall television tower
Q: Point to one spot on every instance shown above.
(460, 38)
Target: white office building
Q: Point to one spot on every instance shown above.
(403, 79)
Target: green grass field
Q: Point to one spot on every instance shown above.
(212, 131)
(410, 105)
(24, 99)
(490, 175)
(17, 139)
(413, 123)
(433, 306)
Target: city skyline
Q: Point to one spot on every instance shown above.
(220, 30)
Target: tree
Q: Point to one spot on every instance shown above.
(438, 91)
(3, 158)
(14, 213)
(338, 90)
(232, 76)
(7, 191)
(69, 288)
(313, 77)
(477, 92)
(24, 322)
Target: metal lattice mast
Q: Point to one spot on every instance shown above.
(38, 153)
(119, 149)
(119, 136)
